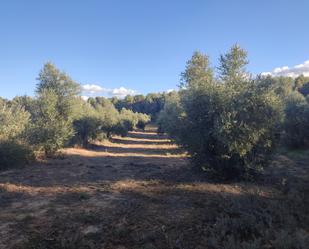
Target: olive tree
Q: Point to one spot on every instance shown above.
(227, 124)
(143, 119)
(52, 122)
(86, 123)
(50, 130)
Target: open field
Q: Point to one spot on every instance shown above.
(141, 192)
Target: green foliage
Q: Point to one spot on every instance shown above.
(13, 120)
(197, 71)
(97, 119)
(13, 123)
(50, 78)
(296, 125)
(86, 128)
(283, 86)
(53, 112)
(86, 123)
(50, 130)
(291, 92)
(169, 120)
(232, 65)
(151, 104)
(108, 115)
(228, 126)
(143, 119)
(121, 128)
(2, 101)
(300, 81)
(129, 118)
(132, 120)
(13, 153)
(28, 103)
(59, 117)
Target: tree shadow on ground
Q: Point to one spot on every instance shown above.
(165, 216)
(140, 198)
(111, 162)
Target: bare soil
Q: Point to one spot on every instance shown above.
(141, 192)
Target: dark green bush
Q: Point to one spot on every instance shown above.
(143, 119)
(14, 120)
(122, 128)
(14, 154)
(304, 90)
(129, 118)
(296, 125)
(141, 125)
(86, 128)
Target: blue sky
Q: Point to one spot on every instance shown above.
(143, 45)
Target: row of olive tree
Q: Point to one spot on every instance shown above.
(150, 104)
(58, 117)
(231, 123)
(98, 118)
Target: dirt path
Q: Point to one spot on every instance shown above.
(133, 192)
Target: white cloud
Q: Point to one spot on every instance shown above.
(92, 89)
(170, 90)
(290, 72)
(96, 90)
(121, 92)
(84, 97)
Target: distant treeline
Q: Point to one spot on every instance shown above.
(150, 104)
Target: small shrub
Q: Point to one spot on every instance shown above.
(122, 128)
(14, 154)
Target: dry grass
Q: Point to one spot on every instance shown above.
(140, 192)
(108, 152)
(33, 191)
